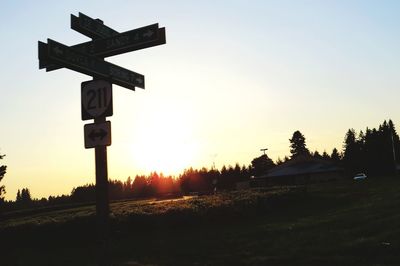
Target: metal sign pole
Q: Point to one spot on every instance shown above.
(102, 207)
(96, 95)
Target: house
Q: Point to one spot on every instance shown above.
(301, 170)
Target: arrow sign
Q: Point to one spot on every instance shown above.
(89, 65)
(97, 134)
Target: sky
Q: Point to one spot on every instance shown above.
(234, 77)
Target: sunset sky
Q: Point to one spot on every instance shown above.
(234, 77)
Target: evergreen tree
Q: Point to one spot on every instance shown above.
(18, 199)
(351, 153)
(26, 195)
(298, 145)
(335, 155)
(325, 155)
(316, 155)
(139, 186)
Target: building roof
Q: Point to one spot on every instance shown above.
(305, 164)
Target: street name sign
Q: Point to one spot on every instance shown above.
(89, 65)
(97, 134)
(115, 45)
(92, 28)
(123, 42)
(96, 96)
(107, 41)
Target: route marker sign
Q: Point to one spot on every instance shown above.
(96, 96)
(97, 134)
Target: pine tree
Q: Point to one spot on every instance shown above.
(298, 145)
(26, 195)
(325, 155)
(18, 199)
(335, 155)
(351, 153)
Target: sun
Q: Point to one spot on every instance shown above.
(165, 144)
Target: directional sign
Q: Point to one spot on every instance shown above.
(93, 28)
(129, 41)
(97, 134)
(96, 96)
(89, 65)
(121, 43)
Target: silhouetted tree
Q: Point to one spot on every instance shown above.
(374, 152)
(127, 187)
(18, 199)
(325, 155)
(261, 165)
(2, 173)
(316, 155)
(24, 198)
(26, 195)
(86, 193)
(298, 145)
(335, 155)
(57, 200)
(352, 156)
(193, 180)
(115, 189)
(245, 172)
(139, 186)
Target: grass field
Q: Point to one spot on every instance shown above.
(337, 223)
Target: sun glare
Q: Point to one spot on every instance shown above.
(165, 144)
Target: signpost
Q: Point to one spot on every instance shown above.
(96, 95)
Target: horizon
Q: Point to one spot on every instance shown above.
(230, 80)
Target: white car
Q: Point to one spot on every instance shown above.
(360, 176)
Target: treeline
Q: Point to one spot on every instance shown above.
(143, 186)
(375, 152)
(157, 185)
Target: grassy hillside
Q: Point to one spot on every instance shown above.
(339, 223)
